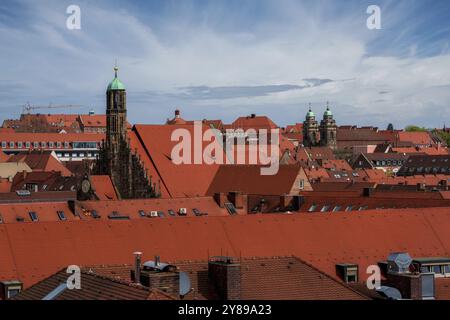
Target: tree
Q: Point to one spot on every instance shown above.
(390, 127)
(413, 128)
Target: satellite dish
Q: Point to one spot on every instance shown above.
(390, 293)
(185, 284)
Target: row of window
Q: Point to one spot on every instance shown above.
(329, 208)
(35, 217)
(388, 163)
(437, 269)
(50, 145)
(81, 155)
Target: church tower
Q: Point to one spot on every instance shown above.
(310, 130)
(116, 118)
(116, 159)
(328, 129)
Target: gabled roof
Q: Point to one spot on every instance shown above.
(95, 120)
(103, 187)
(40, 160)
(93, 287)
(254, 122)
(185, 180)
(417, 138)
(249, 180)
(262, 278)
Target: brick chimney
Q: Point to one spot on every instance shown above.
(409, 285)
(157, 275)
(224, 276)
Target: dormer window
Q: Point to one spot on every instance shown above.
(347, 272)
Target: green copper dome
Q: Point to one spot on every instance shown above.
(328, 113)
(310, 114)
(116, 84)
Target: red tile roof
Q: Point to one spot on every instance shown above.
(98, 120)
(417, 138)
(249, 180)
(103, 187)
(253, 122)
(46, 212)
(186, 180)
(131, 208)
(322, 240)
(94, 287)
(290, 279)
(41, 161)
(5, 185)
(3, 157)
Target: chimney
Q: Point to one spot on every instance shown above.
(137, 267)
(161, 276)
(253, 116)
(224, 275)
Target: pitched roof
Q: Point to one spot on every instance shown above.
(97, 120)
(262, 278)
(93, 287)
(10, 169)
(104, 188)
(3, 156)
(131, 208)
(186, 180)
(253, 122)
(46, 212)
(322, 240)
(40, 160)
(249, 180)
(417, 138)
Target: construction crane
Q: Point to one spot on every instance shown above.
(28, 108)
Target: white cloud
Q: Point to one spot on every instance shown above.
(53, 63)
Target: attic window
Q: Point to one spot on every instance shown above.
(142, 213)
(337, 208)
(347, 272)
(95, 214)
(349, 208)
(61, 215)
(230, 208)
(33, 216)
(1, 219)
(312, 208)
(325, 209)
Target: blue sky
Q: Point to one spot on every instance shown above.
(222, 59)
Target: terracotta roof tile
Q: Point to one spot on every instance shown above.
(322, 240)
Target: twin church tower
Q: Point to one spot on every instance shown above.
(320, 135)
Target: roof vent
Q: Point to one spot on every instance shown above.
(399, 262)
